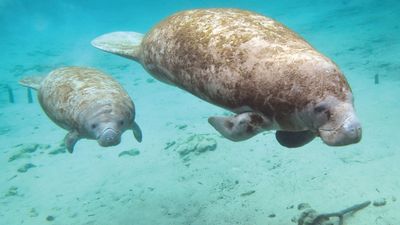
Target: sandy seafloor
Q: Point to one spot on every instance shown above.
(184, 172)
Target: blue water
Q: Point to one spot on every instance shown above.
(184, 172)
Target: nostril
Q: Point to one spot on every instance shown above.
(358, 133)
(354, 130)
(109, 135)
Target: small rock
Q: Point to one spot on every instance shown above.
(379, 202)
(12, 191)
(50, 218)
(132, 152)
(61, 149)
(195, 145)
(17, 156)
(290, 207)
(302, 206)
(33, 212)
(28, 148)
(26, 167)
(272, 215)
(206, 145)
(23, 150)
(57, 151)
(307, 217)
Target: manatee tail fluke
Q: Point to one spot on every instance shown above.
(32, 81)
(125, 44)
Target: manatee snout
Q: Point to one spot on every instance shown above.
(349, 133)
(109, 137)
(353, 131)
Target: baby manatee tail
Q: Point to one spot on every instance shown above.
(125, 44)
(240, 127)
(31, 81)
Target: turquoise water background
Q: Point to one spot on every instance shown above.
(184, 172)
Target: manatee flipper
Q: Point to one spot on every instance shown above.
(292, 139)
(31, 81)
(70, 140)
(126, 44)
(240, 127)
(137, 132)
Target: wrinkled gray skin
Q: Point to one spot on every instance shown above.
(252, 65)
(87, 103)
(334, 121)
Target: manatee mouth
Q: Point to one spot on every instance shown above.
(109, 137)
(349, 132)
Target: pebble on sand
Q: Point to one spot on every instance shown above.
(24, 150)
(61, 149)
(12, 191)
(132, 152)
(302, 206)
(26, 167)
(50, 218)
(195, 144)
(379, 202)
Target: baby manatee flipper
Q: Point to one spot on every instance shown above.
(240, 127)
(137, 132)
(126, 44)
(292, 139)
(31, 81)
(70, 140)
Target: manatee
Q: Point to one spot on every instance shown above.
(251, 65)
(86, 102)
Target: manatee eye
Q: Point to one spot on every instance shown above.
(121, 122)
(323, 109)
(320, 109)
(93, 126)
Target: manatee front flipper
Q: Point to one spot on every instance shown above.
(70, 140)
(292, 139)
(240, 127)
(137, 132)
